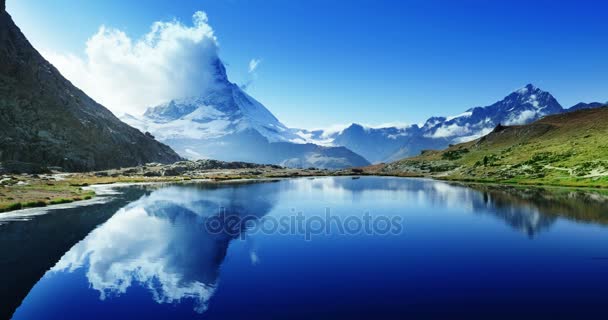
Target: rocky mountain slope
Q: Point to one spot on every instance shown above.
(388, 144)
(225, 123)
(563, 149)
(45, 121)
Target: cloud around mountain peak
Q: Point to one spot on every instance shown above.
(128, 75)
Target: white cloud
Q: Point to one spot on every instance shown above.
(328, 134)
(474, 136)
(339, 127)
(172, 254)
(449, 131)
(522, 118)
(146, 258)
(253, 64)
(334, 129)
(171, 61)
(386, 125)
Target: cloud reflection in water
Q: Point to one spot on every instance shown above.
(159, 242)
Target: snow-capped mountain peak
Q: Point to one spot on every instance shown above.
(531, 96)
(225, 123)
(524, 105)
(224, 110)
(527, 89)
(227, 111)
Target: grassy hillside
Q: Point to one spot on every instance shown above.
(568, 149)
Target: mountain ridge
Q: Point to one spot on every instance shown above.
(374, 144)
(561, 149)
(226, 123)
(387, 144)
(48, 122)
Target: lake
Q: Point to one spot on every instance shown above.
(328, 247)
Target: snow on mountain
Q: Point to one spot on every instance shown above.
(228, 124)
(225, 123)
(225, 109)
(520, 107)
(390, 143)
(223, 112)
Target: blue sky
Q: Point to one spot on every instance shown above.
(331, 62)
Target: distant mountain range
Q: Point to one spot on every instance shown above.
(228, 124)
(225, 123)
(46, 121)
(523, 106)
(564, 149)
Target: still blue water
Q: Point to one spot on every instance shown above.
(451, 251)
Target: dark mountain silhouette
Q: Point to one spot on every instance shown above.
(45, 121)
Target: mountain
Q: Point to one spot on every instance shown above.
(46, 121)
(223, 110)
(386, 144)
(562, 149)
(225, 123)
(392, 143)
(583, 105)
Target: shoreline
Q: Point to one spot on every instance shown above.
(522, 183)
(103, 193)
(104, 189)
(70, 188)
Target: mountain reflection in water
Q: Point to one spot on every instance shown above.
(527, 209)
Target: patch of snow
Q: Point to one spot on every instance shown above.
(388, 125)
(204, 114)
(227, 111)
(472, 137)
(462, 115)
(533, 101)
(395, 136)
(431, 123)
